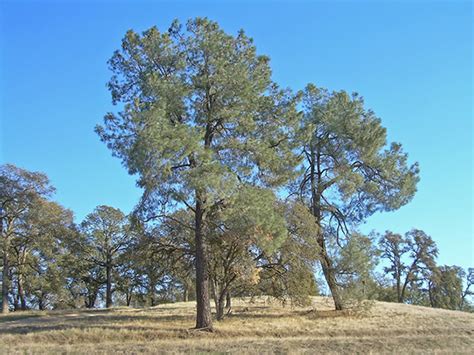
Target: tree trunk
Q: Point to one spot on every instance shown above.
(228, 300)
(331, 281)
(90, 300)
(185, 294)
(401, 298)
(399, 291)
(220, 307)
(16, 303)
(151, 292)
(316, 193)
(5, 277)
(21, 294)
(219, 296)
(430, 294)
(108, 292)
(40, 302)
(128, 297)
(203, 314)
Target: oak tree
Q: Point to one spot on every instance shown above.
(20, 190)
(107, 236)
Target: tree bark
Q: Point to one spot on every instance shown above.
(219, 295)
(40, 302)
(128, 296)
(399, 290)
(220, 307)
(21, 294)
(185, 294)
(108, 291)
(203, 314)
(5, 276)
(91, 298)
(331, 280)
(316, 193)
(151, 292)
(228, 300)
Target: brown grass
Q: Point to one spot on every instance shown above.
(257, 327)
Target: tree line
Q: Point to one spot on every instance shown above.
(247, 188)
(50, 262)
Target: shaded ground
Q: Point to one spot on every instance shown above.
(257, 327)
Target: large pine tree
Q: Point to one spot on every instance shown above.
(200, 117)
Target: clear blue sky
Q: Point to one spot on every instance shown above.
(412, 61)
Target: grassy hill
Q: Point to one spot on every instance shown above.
(257, 327)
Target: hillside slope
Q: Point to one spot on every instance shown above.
(257, 327)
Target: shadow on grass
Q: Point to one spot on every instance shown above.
(89, 320)
(311, 314)
(17, 316)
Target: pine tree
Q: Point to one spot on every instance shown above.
(201, 116)
(348, 172)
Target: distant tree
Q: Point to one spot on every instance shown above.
(128, 278)
(467, 292)
(39, 249)
(348, 172)
(445, 287)
(288, 273)
(107, 236)
(355, 266)
(85, 278)
(201, 116)
(394, 247)
(169, 246)
(251, 222)
(20, 190)
(410, 257)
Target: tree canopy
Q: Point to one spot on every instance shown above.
(248, 190)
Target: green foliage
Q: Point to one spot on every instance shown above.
(200, 113)
(30, 229)
(201, 118)
(287, 272)
(411, 258)
(40, 254)
(212, 139)
(107, 234)
(355, 264)
(356, 172)
(446, 287)
(349, 171)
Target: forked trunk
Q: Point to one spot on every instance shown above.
(219, 296)
(90, 299)
(128, 296)
(21, 293)
(220, 307)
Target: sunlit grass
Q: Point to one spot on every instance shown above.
(258, 327)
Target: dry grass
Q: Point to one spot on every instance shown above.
(257, 327)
